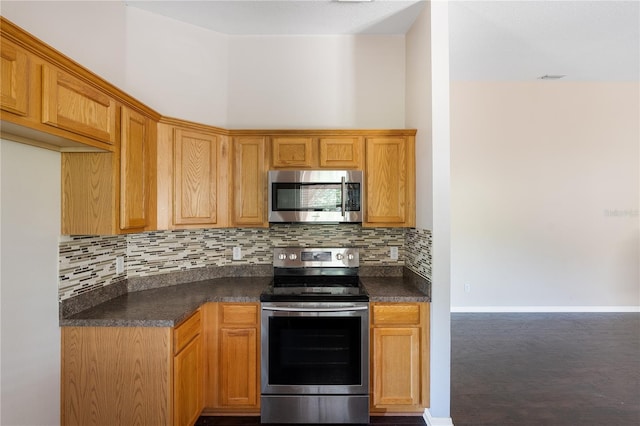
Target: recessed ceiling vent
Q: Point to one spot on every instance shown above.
(551, 77)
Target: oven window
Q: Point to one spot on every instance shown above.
(314, 351)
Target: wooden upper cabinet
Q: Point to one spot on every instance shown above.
(292, 152)
(192, 176)
(390, 181)
(341, 152)
(133, 169)
(195, 179)
(88, 182)
(71, 104)
(249, 181)
(106, 193)
(14, 89)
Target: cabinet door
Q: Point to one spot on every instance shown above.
(14, 84)
(238, 367)
(399, 357)
(292, 152)
(195, 189)
(116, 376)
(70, 104)
(88, 185)
(341, 152)
(390, 181)
(188, 383)
(249, 181)
(133, 170)
(396, 366)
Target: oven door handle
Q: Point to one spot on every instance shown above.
(288, 309)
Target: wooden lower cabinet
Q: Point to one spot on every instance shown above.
(188, 383)
(399, 357)
(210, 364)
(131, 375)
(232, 332)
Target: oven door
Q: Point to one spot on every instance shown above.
(315, 348)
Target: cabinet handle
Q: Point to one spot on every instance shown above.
(344, 196)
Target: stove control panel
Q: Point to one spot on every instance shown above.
(307, 257)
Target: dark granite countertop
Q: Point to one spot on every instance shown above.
(168, 306)
(393, 289)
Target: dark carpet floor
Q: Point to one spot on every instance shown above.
(560, 369)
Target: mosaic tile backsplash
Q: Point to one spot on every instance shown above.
(88, 263)
(418, 256)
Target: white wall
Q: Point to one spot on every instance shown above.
(428, 111)
(418, 113)
(178, 69)
(545, 195)
(316, 82)
(187, 72)
(175, 68)
(30, 226)
(92, 33)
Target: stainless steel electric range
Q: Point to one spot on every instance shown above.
(315, 339)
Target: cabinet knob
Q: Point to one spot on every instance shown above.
(293, 256)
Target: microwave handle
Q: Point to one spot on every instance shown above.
(344, 197)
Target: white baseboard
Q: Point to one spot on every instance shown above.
(436, 421)
(499, 309)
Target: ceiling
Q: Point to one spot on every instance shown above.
(523, 40)
(289, 17)
(489, 40)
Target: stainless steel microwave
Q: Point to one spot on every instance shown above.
(315, 196)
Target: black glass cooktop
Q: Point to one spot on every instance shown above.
(315, 286)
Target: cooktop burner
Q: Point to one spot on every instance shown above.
(315, 274)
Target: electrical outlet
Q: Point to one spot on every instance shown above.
(237, 253)
(119, 265)
(393, 253)
(467, 287)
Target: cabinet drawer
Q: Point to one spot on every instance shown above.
(396, 313)
(239, 314)
(186, 331)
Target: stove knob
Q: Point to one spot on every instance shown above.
(293, 256)
(339, 256)
(282, 256)
(350, 256)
